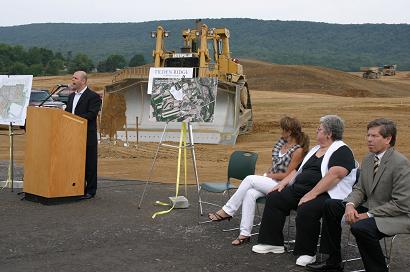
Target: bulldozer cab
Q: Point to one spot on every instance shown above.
(204, 48)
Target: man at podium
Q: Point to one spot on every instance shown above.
(86, 104)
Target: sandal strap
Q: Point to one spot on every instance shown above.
(217, 216)
(214, 216)
(241, 240)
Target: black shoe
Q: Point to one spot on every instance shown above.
(87, 196)
(323, 266)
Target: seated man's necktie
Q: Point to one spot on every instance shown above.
(376, 165)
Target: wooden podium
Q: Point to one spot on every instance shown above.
(54, 159)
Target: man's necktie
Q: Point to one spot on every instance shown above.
(376, 165)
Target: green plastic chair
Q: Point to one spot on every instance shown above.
(241, 164)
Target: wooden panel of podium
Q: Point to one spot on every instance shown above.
(54, 159)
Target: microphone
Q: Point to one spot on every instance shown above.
(59, 86)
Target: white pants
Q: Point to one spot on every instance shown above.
(250, 189)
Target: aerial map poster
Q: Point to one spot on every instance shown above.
(183, 99)
(14, 98)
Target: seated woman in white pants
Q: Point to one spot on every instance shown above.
(287, 154)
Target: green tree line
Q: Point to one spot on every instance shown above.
(341, 46)
(37, 61)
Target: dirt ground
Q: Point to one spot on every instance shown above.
(109, 233)
(269, 105)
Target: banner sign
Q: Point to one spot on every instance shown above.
(167, 72)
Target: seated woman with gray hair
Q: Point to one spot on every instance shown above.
(327, 171)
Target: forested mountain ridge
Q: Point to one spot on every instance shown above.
(344, 47)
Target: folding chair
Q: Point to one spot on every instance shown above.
(260, 200)
(386, 245)
(289, 242)
(241, 164)
(290, 224)
(387, 249)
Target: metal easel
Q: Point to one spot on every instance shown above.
(10, 176)
(10, 182)
(189, 145)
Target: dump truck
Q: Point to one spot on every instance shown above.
(371, 72)
(126, 105)
(389, 70)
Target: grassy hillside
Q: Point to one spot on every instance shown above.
(345, 47)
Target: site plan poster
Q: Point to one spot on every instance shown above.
(14, 98)
(177, 97)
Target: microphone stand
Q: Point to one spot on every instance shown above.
(53, 92)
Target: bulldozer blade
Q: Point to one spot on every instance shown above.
(127, 102)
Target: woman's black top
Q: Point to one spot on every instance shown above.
(311, 172)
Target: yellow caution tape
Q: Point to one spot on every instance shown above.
(162, 203)
(185, 168)
(182, 142)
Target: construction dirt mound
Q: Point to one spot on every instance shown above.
(305, 92)
(313, 79)
(265, 76)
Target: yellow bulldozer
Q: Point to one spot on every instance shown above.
(126, 105)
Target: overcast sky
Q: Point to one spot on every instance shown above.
(19, 12)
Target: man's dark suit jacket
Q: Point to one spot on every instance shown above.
(87, 107)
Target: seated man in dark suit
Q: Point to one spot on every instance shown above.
(378, 206)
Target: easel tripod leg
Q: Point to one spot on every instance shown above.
(10, 174)
(191, 140)
(152, 167)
